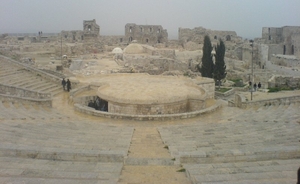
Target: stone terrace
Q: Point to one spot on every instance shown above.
(240, 147)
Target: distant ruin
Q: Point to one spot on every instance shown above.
(145, 34)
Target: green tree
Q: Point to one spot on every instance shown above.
(219, 71)
(207, 65)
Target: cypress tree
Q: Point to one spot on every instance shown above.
(219, 71)
(207, 65)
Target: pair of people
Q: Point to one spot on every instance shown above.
(65, 84)
(257, 86)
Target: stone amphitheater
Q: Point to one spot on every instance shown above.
(48, 142)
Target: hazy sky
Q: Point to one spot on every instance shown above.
(246, 17)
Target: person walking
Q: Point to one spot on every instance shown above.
(259, 85)
(63, 83)
(68, 85)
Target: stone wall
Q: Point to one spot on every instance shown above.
(161, 117)
(145, 34)
(284, 60)
(288, 37)
(115, 40)
(275, 49)
(284, 81)
(71, 36)
(16, 99)
(241, 102)
(20, 92)
(152, 64)
(198, 33)
(147, 109)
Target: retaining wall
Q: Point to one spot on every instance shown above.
(241, 102)
(45, 102)
(92, 111)
(21, 92)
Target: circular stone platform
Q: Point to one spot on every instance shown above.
(143, 94)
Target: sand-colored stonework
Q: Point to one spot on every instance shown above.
(149, 89)
(149, 94)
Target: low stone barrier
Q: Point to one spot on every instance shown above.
(46, 102)
(92, 111)
(241, 102)
(21, 92)
(227, 93)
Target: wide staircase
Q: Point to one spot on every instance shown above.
(61, 151)
(256, 145)
(13, 74)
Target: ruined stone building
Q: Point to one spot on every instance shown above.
(197, 35)
(91, 31)
(145, 34)
(282, 40)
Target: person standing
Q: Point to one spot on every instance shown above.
(63, 83)
(259, 85)
(68, 85)
(254, 86)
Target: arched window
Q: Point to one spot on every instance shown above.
(228, 38)
(130, 29)
(158, 31)
(89, 27)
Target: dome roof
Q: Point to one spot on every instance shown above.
(134, 48)
(117, 50)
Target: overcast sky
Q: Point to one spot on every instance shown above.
(246, 17)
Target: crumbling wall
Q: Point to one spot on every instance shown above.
(285, 81)
(198, 33)
(145, 34)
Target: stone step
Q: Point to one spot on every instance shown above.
(24, 170)
(149, 161)
(64, 140)
(275, 171)
(152, 174)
